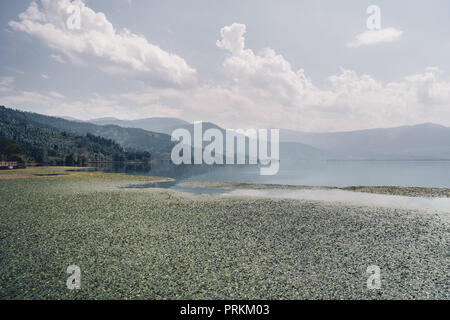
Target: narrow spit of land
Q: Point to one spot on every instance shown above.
(391, 190)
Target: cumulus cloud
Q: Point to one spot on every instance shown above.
(262, 90)
(266, 89)
(372, 37)
(98, 43)
(350, 101)
(232, 38)
(266, 72)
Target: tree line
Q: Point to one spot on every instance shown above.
(26, 141)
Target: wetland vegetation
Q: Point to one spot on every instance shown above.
(133, 243)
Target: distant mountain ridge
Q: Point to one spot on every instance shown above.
(158, 124)
(414, 142)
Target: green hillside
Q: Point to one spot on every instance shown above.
(158, 144)
(24, 139)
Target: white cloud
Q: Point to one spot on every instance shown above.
(268, 73)
(98, 43)
(44, 76)
(57, 95)
(350, 101)
(232, 38)
(58, 58)
(262, 90)
(266, 90)
(372, 37)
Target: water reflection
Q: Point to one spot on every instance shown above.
(314, 173)
(159, 168)
(175, 185)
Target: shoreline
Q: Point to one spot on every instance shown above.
(164, 244)
(38, 172)
(390, 190)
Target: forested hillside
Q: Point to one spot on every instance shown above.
(23, 139)
(158, 144)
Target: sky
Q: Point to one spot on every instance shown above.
(302, 65)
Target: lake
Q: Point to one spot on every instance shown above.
(319, 173)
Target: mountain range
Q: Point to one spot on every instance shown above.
(417, 142)
(158, 144)
(426, 141)
(25, 140)
(159, 124)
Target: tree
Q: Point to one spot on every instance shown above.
(69, 160)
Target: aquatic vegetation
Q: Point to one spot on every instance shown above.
(161, 244)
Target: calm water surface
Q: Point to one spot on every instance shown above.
(342, 173)
(317, 173)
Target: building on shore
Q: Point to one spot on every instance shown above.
(8, 164)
